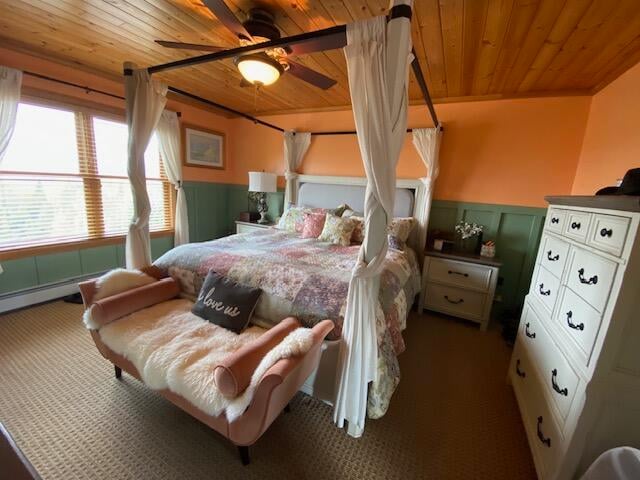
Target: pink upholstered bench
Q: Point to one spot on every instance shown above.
(273, 393)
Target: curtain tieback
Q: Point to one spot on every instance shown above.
(178, 185)
(426, 181)
(290, 175)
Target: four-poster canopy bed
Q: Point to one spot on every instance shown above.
(378, 53)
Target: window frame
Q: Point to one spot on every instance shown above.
(87, 159)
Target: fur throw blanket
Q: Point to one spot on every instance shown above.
(174, 349)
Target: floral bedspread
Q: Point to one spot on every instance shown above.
(309, 280)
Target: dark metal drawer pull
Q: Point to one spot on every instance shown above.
(555, 220)
(575, 226)
(606, 232)
(579, 326)
(561, 391)
(518, 371)
(527, 333)
(592, 281)
(455, 302)
(546, 441)
(546, 293)
(453, 272)
(554, 258)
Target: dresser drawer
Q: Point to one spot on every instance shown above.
(591, 277)
(545, 288)
(579, 321)
(455, 301)
(460, 274)
(553, 255)
(545, 438)
(557, 375)
(577, 225)
(556, 220)
(608, 233)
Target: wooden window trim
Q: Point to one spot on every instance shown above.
(31, 251)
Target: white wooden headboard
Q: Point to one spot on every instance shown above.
(330, 191)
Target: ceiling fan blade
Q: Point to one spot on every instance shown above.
(223, 13)
(318, 44)
(189, 46)
(310, 76)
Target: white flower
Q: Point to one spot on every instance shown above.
(468, 230)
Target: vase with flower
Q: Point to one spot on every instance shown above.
(468, 237)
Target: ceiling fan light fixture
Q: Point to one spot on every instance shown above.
(259, 69)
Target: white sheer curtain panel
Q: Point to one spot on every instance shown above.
(145, 99)
(10, 83)
(296, 145)
(427, 142)
(169, 136)
(378, 56)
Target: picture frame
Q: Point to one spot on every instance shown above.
(202, 147)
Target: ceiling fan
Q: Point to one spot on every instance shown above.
(263, 68)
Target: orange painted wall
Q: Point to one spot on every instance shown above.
(612, 138)
(505, 152)
(190, 114)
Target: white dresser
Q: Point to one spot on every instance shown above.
(575, 368)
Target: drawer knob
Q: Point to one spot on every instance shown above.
(455, 302)
(520, 373)
(528, 333)
(555, 220)
(579, 326)
(544, 292)
(554, 384)
(553, 258)
(591, 281)
(453, 272)
(575, 226)
(606, 232)
(547, 440)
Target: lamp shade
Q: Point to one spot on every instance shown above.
(262, 182)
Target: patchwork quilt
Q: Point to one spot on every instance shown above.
(308, 279)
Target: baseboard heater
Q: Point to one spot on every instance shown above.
(43, 293)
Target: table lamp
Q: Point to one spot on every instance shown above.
(262, 183)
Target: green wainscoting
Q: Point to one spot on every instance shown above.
(30, 272)
(214, 207)
(516, 231)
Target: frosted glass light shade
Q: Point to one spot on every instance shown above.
(255, 69)
(262, 182)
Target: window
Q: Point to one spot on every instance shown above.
(64, 179)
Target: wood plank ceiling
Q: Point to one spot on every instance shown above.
(467, 48)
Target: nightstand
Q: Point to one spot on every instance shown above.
(460, 285)
(245, 227)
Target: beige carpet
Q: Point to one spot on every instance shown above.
(453, 416)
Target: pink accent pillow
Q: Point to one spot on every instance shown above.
(313, 224)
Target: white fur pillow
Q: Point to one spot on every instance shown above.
(120, 280)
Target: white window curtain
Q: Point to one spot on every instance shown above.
(427, 143)
(145, 99)
(296, 145)
(10, 83)
(169, 135)
(378, 56)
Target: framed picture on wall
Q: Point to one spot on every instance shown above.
(202, 147)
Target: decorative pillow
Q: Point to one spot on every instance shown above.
(293, 219)
(226, 303)
(358, 230)
(338, 211)
(349, 212)
(401, 227)
(337, 230)
(313, 224)
(395, 243)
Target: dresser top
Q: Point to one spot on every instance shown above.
(627, 203)
(465, 257)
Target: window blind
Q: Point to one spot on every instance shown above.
(64, 179)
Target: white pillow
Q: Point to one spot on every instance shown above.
(120, 280)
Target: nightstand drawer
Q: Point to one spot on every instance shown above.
(246, 227)
(460, 274)
(455, 301)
